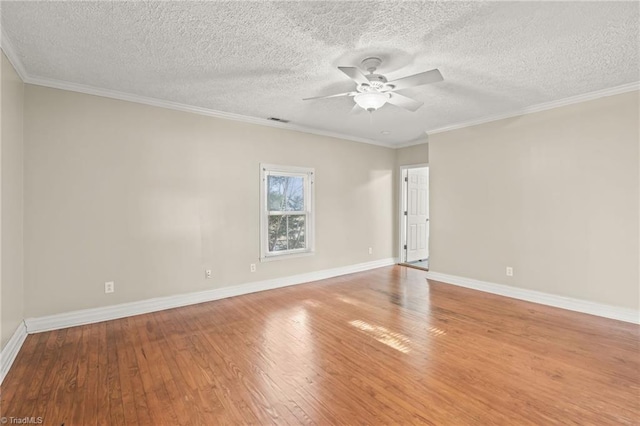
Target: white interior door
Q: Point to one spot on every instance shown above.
(417, 214)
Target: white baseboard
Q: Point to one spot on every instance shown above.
(578, 305)
(11, 349)
(89, 316)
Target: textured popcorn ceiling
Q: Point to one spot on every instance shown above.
(260, 59)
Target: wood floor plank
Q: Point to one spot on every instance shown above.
(160, 407)
(126, 371)
(29, 355)
(90, 416)
(66, 384)
(380, 347)
(46, 395)
(79, 375)
(103, 415)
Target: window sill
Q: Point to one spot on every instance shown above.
(286, 256)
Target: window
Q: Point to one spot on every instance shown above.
(286, 211)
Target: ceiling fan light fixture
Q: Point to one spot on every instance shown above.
(371, 101)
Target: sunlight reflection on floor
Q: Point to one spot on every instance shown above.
(313, 303)
(436, 331)
(383, 335)
(348, 300)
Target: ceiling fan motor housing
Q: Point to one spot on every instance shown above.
(376, 81)
(371, 64)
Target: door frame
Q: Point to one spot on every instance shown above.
(402, 199)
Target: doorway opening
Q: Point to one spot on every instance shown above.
(414, 216)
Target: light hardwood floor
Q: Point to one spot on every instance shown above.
(378, 347)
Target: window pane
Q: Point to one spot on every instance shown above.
(296, 232)
(285, 193)
(286, 232)
(277, 233)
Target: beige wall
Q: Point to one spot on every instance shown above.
(553, 194)
(415, 154)
(150, 198)
(11, 169)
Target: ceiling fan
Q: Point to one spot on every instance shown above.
(373, 90)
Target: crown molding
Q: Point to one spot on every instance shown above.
(630, 87)
(11, 55)
(7, 47)
(107, 93)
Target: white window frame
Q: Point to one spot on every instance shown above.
(307, 174)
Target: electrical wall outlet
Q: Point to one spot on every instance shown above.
(207, 273)
(109, 287)
(252, 267)
(509, 271)
(370, 250)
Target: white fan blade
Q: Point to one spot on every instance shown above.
(404, 102)
(354, 74)
(333, 96)
(426, 77)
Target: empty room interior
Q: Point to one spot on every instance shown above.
(368, 212)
